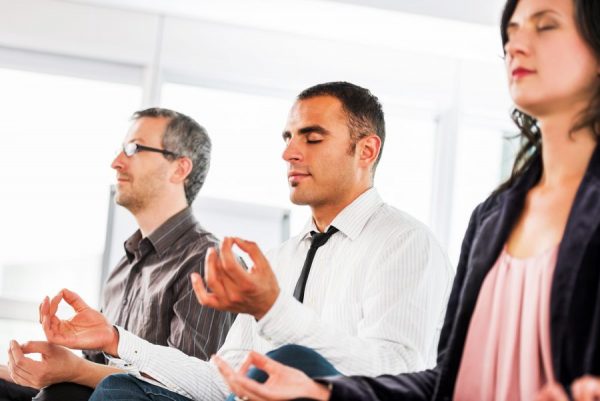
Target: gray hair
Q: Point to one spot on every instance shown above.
(184, 137)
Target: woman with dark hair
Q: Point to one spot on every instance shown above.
(523, 320)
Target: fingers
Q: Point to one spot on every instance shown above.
(20, 366)
(44, 309)
(252, 249)
(40, 347)
(222, 288)
(552, 392)
(202, 295)
(227, 372)
(237, 382)
(254, 390)
(74, 300)
(41, 308)
(263, 362)
(229, 262)
(246, 365)
(48, 310)
(212, 271)
(586, 388)
(54, 302)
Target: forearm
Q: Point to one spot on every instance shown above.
(188, 376)
(5, 374)
(417, 386)
(90, 374)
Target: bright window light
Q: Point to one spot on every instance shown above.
(58, 138)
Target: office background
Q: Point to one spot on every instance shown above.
(72, 72)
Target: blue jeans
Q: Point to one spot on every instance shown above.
(124, 387)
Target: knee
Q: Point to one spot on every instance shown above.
(306, 359)
(64, 391)
(115, 381)
(111, 383)
(293, 352)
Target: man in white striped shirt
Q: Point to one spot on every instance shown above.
(374, 299)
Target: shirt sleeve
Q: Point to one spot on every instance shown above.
(419, 386)
(402, 308)
(171, 368)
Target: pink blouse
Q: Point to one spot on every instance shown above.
(507, 351)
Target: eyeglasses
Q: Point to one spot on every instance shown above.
(132, 148)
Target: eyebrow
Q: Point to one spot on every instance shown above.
(536, 16)
(307, 130)
(140, 140)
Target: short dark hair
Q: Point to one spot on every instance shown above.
(587, 15)
(364, 112)
(184, 137)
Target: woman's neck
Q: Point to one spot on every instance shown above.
(565, 154)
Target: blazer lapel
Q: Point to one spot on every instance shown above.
(584, 219)
(494, 228)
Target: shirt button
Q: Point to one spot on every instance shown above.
(125, 301)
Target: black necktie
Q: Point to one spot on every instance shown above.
(317, 240)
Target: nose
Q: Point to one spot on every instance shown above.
(517, 44)
(119, 161)
(291, 151)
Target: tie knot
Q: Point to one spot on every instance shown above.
(319, 239)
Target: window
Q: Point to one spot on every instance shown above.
(245, 130)
(484, 160)
(246, 161)
(58, 138)
(404, 176)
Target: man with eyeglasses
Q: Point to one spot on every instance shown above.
(160, 169)
(363, 283)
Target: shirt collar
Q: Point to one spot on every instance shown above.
(353, 218)
(164, 236)
(167, 233)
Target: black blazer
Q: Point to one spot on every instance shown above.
(574, 299)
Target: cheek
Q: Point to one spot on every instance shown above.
(573, 62)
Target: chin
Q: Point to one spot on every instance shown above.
(533, 106)
(298, 198)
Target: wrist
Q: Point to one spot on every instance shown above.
(5, 374)
(112, 348)
(319, 391)
(78, 371)
(268, 304)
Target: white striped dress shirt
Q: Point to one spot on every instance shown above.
(374, 304)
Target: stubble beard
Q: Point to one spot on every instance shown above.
(130, 202)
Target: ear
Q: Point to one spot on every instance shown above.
(368, 149)
(183, 168)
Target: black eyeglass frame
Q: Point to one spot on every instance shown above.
(132, 148)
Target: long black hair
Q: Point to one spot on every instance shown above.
(587, 15)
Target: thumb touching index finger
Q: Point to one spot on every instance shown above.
(31, 347)
(53, 304)
(252, 249)
(74, 300)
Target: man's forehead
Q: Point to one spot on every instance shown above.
(147, 130)
(315, 110)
